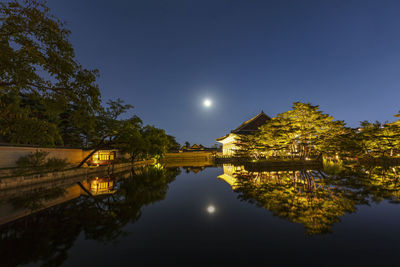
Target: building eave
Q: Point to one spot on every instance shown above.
(223, 137)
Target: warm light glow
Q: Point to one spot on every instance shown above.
(207, 103)
(210, 209)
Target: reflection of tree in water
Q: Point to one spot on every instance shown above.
(47, 236)
(378, 182)
(299, 196)
(314, 199)
(35, 200)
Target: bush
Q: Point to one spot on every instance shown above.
(37, 162)
(36, 159)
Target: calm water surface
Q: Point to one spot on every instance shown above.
(211, 216)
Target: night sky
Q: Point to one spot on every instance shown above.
(166, 57)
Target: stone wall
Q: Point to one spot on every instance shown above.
(10, 154)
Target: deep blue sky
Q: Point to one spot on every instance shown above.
(165, 57)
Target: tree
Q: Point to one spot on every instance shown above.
(173, 144)
(20, 125)
(277, 138)
(108, 127)
(380, 139)
(301, 132)
(341, 144)
(40, 75)
(187, 144)
(130, 139)
(157, 141)
(310, 127)
(247, 146)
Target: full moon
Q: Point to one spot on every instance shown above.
(211, 209)
(207, 103)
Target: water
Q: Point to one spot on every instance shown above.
(210, 216)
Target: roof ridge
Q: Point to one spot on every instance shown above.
(248, 121)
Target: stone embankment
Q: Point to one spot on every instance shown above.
(201, 158)
(26, 180)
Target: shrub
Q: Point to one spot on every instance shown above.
(35, 159)
(38, 162)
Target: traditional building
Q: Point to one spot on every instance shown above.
(197, 147)
(103, 157)
(229, 141)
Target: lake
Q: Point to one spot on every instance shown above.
(207, 216)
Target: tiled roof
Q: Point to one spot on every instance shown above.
(252, 125)
(249, 126)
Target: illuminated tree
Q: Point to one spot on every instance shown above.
(301, 132)
(380, 139)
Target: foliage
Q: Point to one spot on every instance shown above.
(247, 147)
(36, 200)
(187, 145)
(333, 167)
(302, 132)
(130, 139)
(305, 132)
(129, 135)
(157, 141)
(173, 144)
(35, 159)
(316, 198)
(108, 126)
(40, 78)
(22, 127)
(48, 236)
(379, 139)
(299, 196)
(39, 162)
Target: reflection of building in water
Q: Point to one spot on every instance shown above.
(229, 174)
(19, 203)
(194, 169)
(229, 141)
(232, 172)
(101, 186)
